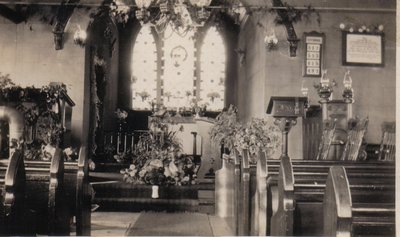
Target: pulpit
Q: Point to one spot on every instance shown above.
(286, 110)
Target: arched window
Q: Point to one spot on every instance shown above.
(178, 85)
(144, 70)
(212, 74)
(178, 67)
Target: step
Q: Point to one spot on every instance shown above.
(113, 194)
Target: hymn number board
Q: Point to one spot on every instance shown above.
(314, 42)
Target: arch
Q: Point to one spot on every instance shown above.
(15, 121)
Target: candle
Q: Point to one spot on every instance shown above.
(132, 142)
(118, 141)
(125, 143)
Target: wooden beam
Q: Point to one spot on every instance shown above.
(11, 14)
(63, 15)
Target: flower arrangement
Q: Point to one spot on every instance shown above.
(121, 115)
(158, 160)
(271, 41)
(362, 29)
(225, 127)
(42, 119)
(258, 134)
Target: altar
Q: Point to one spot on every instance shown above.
(193, 134)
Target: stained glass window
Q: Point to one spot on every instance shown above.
(144, 70)
(178, 68)
(178, 85)
(212, 74)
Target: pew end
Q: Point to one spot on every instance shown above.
(282, 220)
(337, 204)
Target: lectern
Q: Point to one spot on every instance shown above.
(285, 110)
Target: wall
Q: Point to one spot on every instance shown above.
(269, 73)
(27, 53)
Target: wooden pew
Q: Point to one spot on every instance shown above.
(263, 179)
(348, 214)
(301, 193)
(77, 190)
(12, 186)
(253, 195)
(45, 196)
(237, 191)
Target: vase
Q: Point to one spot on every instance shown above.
(154, 193)
(224, 186)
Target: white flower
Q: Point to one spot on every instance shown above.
(380, 28)
(342, 26)
(351, 29)
(360, 30)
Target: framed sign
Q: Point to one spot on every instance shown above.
(313, 58)
(362, 49)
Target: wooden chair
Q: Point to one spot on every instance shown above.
(387, 148)
(358, 209)
(326, 140)
(355, 137)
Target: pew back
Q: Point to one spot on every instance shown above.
(358, 210)
(12, 186)
(45, 195)
(78, 193)
(301, 192)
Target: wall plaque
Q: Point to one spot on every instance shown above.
(313, 57)
(362, 49)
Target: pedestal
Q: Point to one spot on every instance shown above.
(285, 124)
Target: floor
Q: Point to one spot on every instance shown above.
(117, 223)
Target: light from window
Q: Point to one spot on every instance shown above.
(176, 85)
(178, 68)
(144, 70)
(212, 74)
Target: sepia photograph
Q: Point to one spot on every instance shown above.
(198, 117)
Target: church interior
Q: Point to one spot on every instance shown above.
(198, 117)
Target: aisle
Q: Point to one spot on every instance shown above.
(157, 224)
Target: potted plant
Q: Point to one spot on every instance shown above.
(225, 127)
(258, 134)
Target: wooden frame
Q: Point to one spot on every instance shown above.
(363, 49)
(313, 54)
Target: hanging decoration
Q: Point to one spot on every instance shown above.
(181, 14)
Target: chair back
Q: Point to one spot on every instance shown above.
(326, 140)
(387, 149)
(355, 138)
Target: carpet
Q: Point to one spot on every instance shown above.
(170, 224)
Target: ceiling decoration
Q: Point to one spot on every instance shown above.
(182, 14)
(63, 15)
